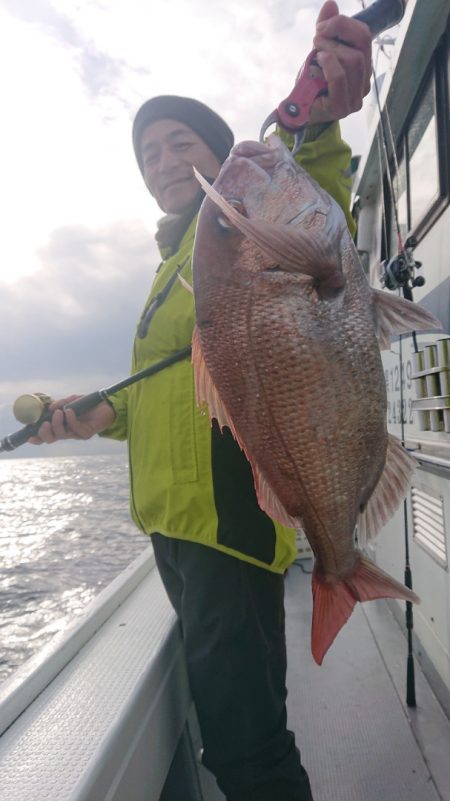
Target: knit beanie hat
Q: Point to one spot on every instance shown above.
(200, 118)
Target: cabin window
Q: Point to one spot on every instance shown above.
(423, 157)
(420, 174)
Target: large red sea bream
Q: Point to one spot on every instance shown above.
(286, 353)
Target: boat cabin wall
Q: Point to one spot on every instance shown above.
(417, 368)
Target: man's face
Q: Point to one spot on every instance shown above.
(169, 151)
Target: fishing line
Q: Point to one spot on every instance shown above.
(385, 138)
(383, 211)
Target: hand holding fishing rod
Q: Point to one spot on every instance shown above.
(37, 409)
(75, 417)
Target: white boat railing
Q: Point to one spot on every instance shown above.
(100, 713)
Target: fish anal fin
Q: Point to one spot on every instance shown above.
(333, 602)
(395, 315)
(389, 492)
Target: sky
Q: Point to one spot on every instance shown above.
(77, 253)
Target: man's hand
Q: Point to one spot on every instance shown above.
(66, 425)
(344, 53)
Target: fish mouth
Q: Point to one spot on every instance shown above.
(248, 149)
(266, 154)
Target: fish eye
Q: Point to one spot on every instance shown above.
(223, 222)
(237, 204)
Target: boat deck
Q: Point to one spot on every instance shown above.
(359, 741)
(100, 714)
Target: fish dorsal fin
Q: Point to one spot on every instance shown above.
(300, 249)
(205, 389)
(392, 487)
(269, 502)
(206, 392)
(395, 315)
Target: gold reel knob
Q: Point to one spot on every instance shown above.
(30, 408)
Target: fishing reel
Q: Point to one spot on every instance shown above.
(31, 408)
(399, 272)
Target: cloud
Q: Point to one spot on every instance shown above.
(77, 315)
(44, 15)
(104, 75)
(284, 12)
(69, 328)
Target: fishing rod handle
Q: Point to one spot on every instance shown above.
(381, 15)
(79, 406)
(87, 402)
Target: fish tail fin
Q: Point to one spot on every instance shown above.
(333, 603)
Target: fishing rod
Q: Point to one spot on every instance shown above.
(34, 408)
(399, 274)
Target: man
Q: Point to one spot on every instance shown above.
(220, 557)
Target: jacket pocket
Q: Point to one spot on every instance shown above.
(183, 446)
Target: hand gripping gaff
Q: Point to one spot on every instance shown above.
(293, 113)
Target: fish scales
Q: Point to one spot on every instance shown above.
(286, 354)
(328, 450)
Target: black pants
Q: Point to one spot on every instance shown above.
(232, 619)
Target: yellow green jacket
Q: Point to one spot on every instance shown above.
(188, 480)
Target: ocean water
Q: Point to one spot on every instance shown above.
(65, 533)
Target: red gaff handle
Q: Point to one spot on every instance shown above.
(293, 112)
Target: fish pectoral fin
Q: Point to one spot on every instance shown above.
(389, 492)
(296, 248)
(333, 603)
(395, 315)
